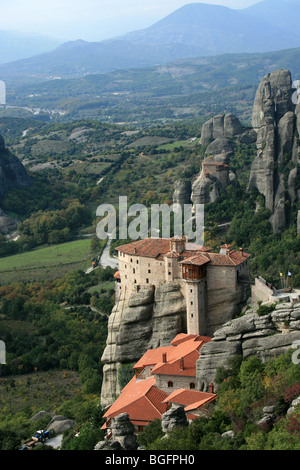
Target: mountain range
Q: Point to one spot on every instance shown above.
(16, 46)
(195, 30)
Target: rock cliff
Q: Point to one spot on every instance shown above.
(267, 336)
(12, 175)
(146, 320)
(217, 135)
(275, 171)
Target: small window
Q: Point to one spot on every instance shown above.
(135, 281)
(149, 271)
(192, 385)
(192, 315)
(137, 261)
(192, 303)
(133, 271)
(147, 281)
(191, 291)
(170, 273)
(170, 384)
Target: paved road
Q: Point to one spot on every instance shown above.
(106, 260)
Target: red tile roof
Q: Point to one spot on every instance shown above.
(142, 400)
(159, 247)
(184, 347)
(190, 399)
(155, 247)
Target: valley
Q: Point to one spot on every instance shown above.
(178, 113)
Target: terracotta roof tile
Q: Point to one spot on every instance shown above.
(142, 400)
(191, 399)
(159, 247)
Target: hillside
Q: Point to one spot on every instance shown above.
(182, 89)
(191, 31)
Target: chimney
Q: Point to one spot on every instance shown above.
(164, 357)
(241, 251)
(181, 363)
(211, 387)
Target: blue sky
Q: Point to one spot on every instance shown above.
(92, 20)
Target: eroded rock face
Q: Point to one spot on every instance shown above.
(146, 320)
(274, 171)
(173, 418)
(220, 126)
(7, 224)
(267, 336)
(123, 437)
(182, 192)
(12, 175)
(12, 172)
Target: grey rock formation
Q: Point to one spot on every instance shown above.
(123, 437)
(205, 189)
(175, 417)
(295, 403)
(214, 177)
(248, 137)
(7, 224)
(146, 320)
(12, 172)
(182, 192)
(221, 125)
(220, 145)
(59, 424)
(274, 171)
(266, 336)
(12, 175)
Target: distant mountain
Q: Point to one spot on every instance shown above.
(217, 29)
(283, 14)
(16, 45)
(194, 30)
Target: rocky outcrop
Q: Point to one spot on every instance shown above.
(123, 437)
(220, 126)
(59, 424)
(12, 172)
(146, 320)
(182, 192)
(7, 224)
(267, 336)
(274, 171)
(175, 417)
(213, 178)
(12, 175)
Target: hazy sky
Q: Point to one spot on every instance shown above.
(92, 20)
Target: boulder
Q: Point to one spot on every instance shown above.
(59, 424)
(173, 418)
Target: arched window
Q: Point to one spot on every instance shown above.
(192, 385)
(170, 384)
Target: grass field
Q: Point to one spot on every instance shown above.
(45, 263)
